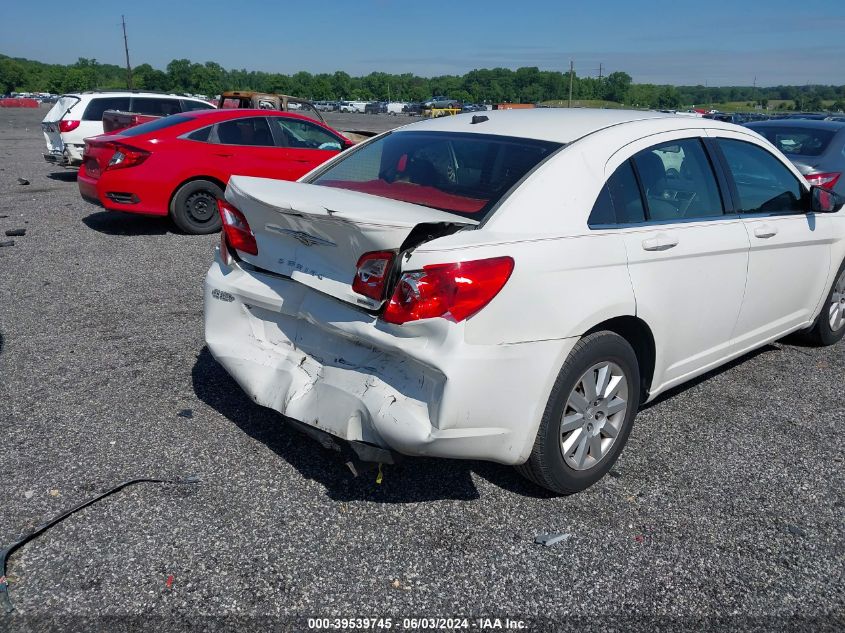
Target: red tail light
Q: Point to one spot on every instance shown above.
(441, 290)
(236, 229)
(371, 274)
(827, 180)
(68, 125)
(126, 156)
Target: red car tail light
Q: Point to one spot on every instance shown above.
(827, 180)
(236, 229)
(126, 156)
(68, 125)
(372, 272)
(459, 290)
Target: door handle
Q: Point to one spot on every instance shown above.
(765, 231)
(660, 242)
(221, 155)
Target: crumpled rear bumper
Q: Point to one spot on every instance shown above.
(417, 389)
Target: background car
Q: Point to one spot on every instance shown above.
(77, 116)
(815, 147)
(376, 107)
(179, 165)
(512, 289)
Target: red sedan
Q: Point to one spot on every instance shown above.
(179, 165)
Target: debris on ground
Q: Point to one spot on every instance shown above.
(169, 583)
(552, 538)
(55, 493)
(615, 474)
(15, 232)
(3, 217)
(186, 413)
(23, 181)
(29, 494)
(8, 243)
(797, 531)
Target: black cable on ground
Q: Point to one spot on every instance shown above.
(5, 600)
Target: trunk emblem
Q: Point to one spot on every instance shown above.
(306, 239)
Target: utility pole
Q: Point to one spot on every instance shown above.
(600, 69)
(126, 48)
(571, 74)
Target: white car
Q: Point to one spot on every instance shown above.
(77, 116)
(513, 286)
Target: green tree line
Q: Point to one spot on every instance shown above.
(526, 85)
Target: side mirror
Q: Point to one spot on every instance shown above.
(825, 200)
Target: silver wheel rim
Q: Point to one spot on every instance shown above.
(837, 304)
(593, 416)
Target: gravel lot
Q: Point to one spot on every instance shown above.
(726, 508)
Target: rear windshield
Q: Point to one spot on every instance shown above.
(802, 141)
(154, 126)
(465, 174)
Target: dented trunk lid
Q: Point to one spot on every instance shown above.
(315, 235)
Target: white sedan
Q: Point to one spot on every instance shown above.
(513, 286)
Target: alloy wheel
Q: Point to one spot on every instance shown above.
(593, 416)
(837, 304)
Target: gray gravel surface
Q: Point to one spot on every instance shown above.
(726, 508)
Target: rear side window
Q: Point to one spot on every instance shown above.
(98, 105)
(154, 126)
(801, 141)
(462, 173)
(155, 106)
(201, 134)
(678, 181)
(620, 201)
(249, 131)
(763, 183)
(190, 106)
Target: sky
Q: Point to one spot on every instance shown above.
(711, 42)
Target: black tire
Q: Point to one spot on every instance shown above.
(546, 466)
(194, 207)
(822, 334)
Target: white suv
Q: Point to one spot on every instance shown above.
(77, 116)
(513, 286)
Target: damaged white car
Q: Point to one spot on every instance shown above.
(513, 286)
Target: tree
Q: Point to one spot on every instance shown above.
(11, 75)
(616, 86)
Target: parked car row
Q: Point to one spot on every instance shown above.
(511, 287)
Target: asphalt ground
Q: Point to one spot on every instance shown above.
(725, 510)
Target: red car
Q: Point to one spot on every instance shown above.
(179, 165)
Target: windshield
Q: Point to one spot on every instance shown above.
(154, 126)
(465, 174)
(802, 141)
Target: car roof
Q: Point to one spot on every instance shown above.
(562, 125)
(223, 114)
(814, 124)
(127, 93)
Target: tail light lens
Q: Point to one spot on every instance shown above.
(828, 179)
(125, 156)
(372, 273)
(236, 229)
(443, 290)
(68, 125)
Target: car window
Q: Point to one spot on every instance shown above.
(155, 106)
(303, 135)
(802, 141)
(465, 174)
(249, 131)
(201, 134)
(95, 109)
(189, 105)
(678, 181)
(154, 125)
(620, 201)
(763, 183)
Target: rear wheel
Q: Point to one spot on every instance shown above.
(194, 207)
(830, 326)
(588, 417)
